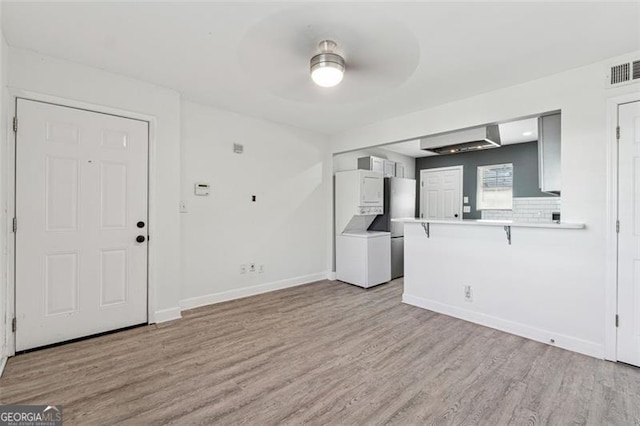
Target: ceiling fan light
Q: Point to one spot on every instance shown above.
(327, 68)
(327, 74)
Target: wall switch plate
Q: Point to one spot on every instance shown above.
(466, 209)
(243, 269)
(183, 207)
(465, 200)
(468, 296)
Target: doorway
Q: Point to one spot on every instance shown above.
(628, 226)
(81, 240)
(441, 193)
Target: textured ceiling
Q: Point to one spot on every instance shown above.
(253, 58)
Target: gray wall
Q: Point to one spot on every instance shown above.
(523, 156)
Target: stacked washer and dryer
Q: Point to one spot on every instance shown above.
(363, 257)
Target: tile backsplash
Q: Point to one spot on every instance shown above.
(534, 209)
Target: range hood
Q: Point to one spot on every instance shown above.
(463, 141)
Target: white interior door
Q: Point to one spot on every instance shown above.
(629, 235)
(81, 189)
(441, 193)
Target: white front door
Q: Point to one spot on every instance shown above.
(629, 235)
(441, 193)
(81, 204)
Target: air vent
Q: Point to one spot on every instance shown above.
(620, 73)
(625, 73)
(635, 73)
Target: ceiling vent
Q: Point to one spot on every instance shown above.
(624, 73)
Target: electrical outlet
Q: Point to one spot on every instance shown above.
(243, 269)
(466, 209)
(183, 207)
(252, 267)
(468, 296)
(260, 269)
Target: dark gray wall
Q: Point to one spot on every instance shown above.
(523, 156)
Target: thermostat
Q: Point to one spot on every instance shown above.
(201, 189)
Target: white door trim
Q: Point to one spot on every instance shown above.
(611, 283)
(442, 169)
(10, 283)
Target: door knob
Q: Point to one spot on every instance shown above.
(455, 215)
(140, 238)
(140, 224)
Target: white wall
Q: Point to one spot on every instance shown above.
(531, 288)
(577, 304)
(285, 229)
(349, 160)
(45, 75)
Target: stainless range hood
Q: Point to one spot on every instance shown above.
(463, 141)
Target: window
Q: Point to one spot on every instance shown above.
(495, 187)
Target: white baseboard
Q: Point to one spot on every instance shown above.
(331, 276)
(167, 315)
(563, 341)
(223, 296)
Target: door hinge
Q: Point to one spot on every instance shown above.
(617, 226)
(618, 132)
(617, 320)
(14, 225)
(13, 325)
(15, 124)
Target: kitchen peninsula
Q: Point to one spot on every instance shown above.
(502, 274)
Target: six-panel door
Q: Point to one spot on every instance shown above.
(81, 191)
(441, 195)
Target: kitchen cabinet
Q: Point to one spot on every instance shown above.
(375, 164)
(399, 170)
(549, 153)
(389, 168)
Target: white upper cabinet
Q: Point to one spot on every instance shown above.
(549, 157)
(399, 170)
(389, 168)
(377, 164)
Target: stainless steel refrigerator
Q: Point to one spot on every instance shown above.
(399, 201)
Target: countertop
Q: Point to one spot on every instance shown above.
(366, 234)
(482, 222)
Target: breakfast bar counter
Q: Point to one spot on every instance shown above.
(518, 277)
(484, 222)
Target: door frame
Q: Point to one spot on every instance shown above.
(442, 169)
(611, 235)
(10, 165)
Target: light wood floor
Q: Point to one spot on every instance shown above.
(325, 353)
